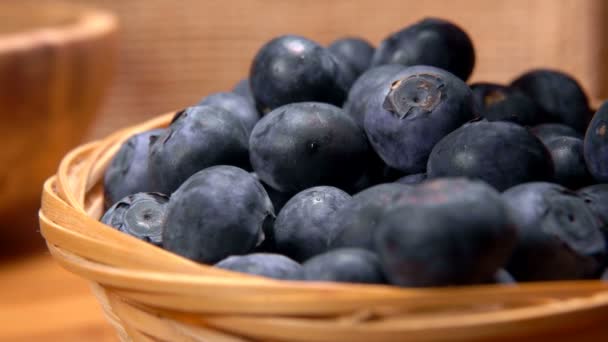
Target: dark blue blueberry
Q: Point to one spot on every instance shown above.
(357, 52)
(496, 102)
(433, 42)
(558, 95)
(414, 179)
(569, 162)
(291, 69)
(445, 232)
(243, 88)
(128, 172)
(596, 197)
(216, 213)
(548, 131)
(263, 264)
(362, 89)
(504, 277)
(356, 222)
(140, 215)
(304, 227)
(503, 154)
(559, 237)
(410, 112)
(347, 265)
(596, 145)
(301, 145)
(199, 137)
(238, 105)
(345, 74)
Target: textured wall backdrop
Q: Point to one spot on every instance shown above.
(174, 52)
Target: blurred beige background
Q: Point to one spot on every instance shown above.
(175, 52)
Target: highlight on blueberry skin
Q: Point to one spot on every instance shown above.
(357, 52)
(291, 69)
(301, 145)
(569, 162)
(218, 212)
(357, 221)
(238, 105)
(559, 96)
(141, 215)
(548, 131)
(304, 228)
(410, 112)
(444, 232)
(363, 89)
(431, 41)
(349, 265)
(199, 137)
(263, 264)
(496, 102)
(128, 171)
(503, 154)
(559, 236)
(596, 145)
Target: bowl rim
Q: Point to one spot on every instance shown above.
(88, 23)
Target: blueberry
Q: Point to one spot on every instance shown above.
(140, 215)
(596, 145)
(217, 212)
(243, 88)
(596, 197)
(235, 104)
(345, 72)
(548, 131)
(501, 103)
(263, 264)
(410, 112)
(503, 277)
(359, 94)
(559, 237)
(300, 145)
(605, 275)
(128, 172)
(414, 179)
(503, 154)
(569, 162)
(291, 69)
(356, 222)
(558, 95)
(348, 265)
(445, 232)
(199, 137)
(303, 228)
(433, 42)
(357, 52)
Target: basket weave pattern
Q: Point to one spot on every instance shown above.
(149, 294)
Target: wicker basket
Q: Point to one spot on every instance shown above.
(149, 294)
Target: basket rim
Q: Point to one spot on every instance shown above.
(191, 279)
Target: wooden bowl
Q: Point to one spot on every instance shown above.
(55, 64)
(149, 294)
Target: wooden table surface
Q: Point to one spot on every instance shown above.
(40, 301)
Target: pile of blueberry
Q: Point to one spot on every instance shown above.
(357, 164)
